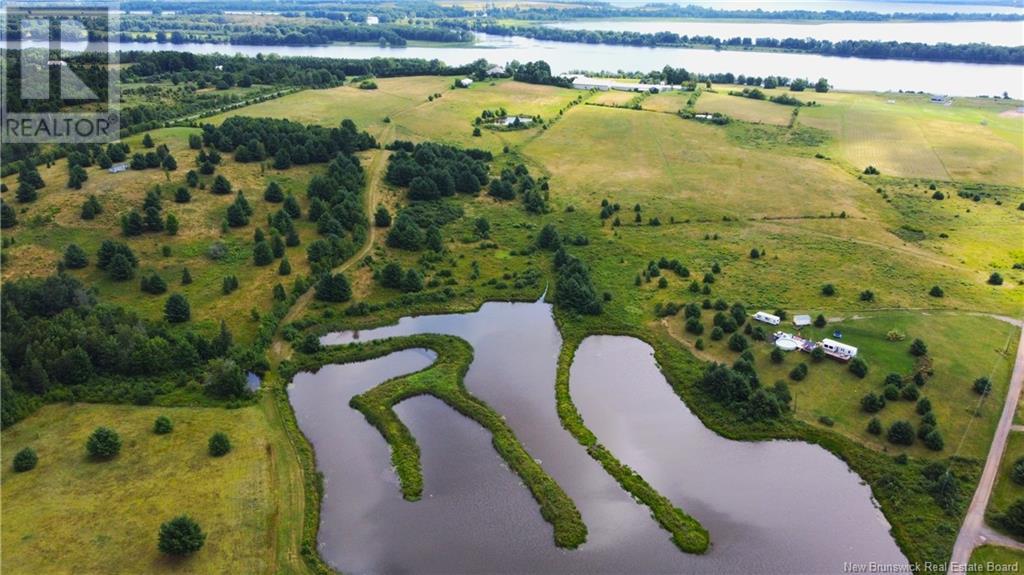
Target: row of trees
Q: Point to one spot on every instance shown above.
(978, 53)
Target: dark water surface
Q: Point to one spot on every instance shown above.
(774, 507)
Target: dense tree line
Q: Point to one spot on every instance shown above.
(60, 343)
(739, 388)
(538, 72)
(432, 171)
(943, 52)
(652, 10)
(288, 142)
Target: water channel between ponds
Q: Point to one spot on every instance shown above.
(770, 507)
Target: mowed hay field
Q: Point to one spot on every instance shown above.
(405, 102)
(969, 141)
(48, 225)
(74, 515)
(717, 199)
(745, 109)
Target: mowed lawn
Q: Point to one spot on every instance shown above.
(74, 515)
(48, 225)
(962, 348)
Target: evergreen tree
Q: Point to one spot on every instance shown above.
(333, 288)
(277, 245)
(236, 217)
(177, 309)
(147, 141)
(172, 225)
(548, 238)
(25, 460)
(382, 218)
(219, 444)
(162, 425)
(180, 536)
(225, 379)
(169, 163)
(434, 240)
(76, 177)
(391, 275)
(8, 217)
(291, 206)
(221, 186)
(284, 268)
(120, 268)
(29, 174)
(273, 193)
(26, 193)
(262, 254)
(104, 443)
(186, 277)
(75, 258)
(132, 224)
(412, 281)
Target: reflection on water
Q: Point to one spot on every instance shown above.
(769, 514)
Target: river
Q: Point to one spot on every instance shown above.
(995, 33)
(841, 5)
(770, 507)
(855, 74)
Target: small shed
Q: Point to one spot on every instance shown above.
(768, 318)
(838, 350)
(115, 168)
(465, 82)
(801, 320)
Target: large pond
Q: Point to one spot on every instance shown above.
(996, 33)
(772, 507)
(843, 73)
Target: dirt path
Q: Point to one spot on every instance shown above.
(280, 349)
(974, 532)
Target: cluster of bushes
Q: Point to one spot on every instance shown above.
(898, 387)
(57, 339)
(574, 289)
(518, 181)
(393, 276)
(150, 220)
(287, 142)
(432, 171)
(739, 388)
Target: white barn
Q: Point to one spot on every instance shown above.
(768, 318)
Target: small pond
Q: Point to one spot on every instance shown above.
(772, 507)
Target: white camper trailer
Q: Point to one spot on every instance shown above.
(840, 351)
(768, 318)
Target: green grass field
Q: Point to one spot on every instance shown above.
(718, 192)
(995, 559)
(1006, 491)
(962, 348)
(73, 515)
